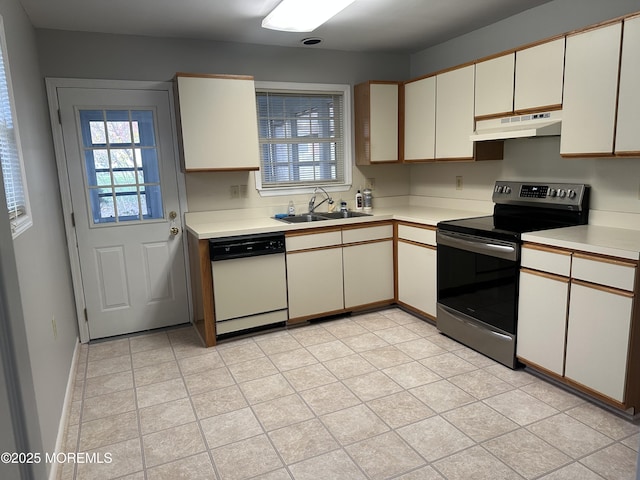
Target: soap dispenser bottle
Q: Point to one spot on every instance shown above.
(292, 208)
(359, 204)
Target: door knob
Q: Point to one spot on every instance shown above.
(174, 230)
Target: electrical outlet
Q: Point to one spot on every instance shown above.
(54, 327)
(371, 183)
(235, 191)
(459, 182)
(244, 191)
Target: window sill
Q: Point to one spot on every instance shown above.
(20, 226)
(307, 189)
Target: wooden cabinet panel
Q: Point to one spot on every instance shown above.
(590, 91)
(365, 234)
(368, 273)
(420, 119)
(628, 126)
(547, 260)
(218, 124)
(616, 274)
(494, 86)
(539, 76)
(417, 234)
(417, 277)
(376, 122)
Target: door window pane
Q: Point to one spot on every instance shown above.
(121, 160)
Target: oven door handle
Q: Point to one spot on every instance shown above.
(483, 246)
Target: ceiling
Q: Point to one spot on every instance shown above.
(403, 26)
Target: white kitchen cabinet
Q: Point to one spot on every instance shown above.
(420, 119)
(598, 339)
(542, 320)
(455, 114)
(376, 122)
(590, 91)
(314, 274)
(494, 86)
(217, 122)
(628, 125)
(417, 273)
(539, 77)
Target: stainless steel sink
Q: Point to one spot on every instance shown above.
(315, 217)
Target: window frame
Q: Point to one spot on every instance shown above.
(22, 222)
(298, 88)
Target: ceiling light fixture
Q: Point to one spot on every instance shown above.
(303, 15)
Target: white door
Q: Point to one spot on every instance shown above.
(121, 168)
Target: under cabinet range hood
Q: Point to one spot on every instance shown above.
(520, 126)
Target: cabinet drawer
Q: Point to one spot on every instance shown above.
(547, 260)
(313, 240)
(365, 234)
(608, 272)
(417, 234)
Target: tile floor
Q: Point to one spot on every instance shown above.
(378, 395)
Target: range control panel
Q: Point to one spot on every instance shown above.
(553, 195)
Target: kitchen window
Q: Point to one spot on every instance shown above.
(304, 137)
(10, 152)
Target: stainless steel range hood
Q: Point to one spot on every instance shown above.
(521, 126)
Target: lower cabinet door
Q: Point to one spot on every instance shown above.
(417, 277)
(542, 320)
(598, 339)
(314, 281)
(368, 273)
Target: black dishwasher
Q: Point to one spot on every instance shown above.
(249, 282)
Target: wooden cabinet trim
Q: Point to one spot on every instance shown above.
(547, 248)
(367, 242)
(417, 244)
(596, 26)
(314, 249)
(602, 288)
(380, 223)
(312, 231)
(214, 75)
(416, 225)
(606, 259)
(550, 276)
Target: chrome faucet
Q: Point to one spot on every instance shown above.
(312, 201)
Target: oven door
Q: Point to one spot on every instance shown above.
(478, 277)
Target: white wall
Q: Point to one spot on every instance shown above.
(41, 254)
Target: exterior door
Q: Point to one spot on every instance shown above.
(121, 168)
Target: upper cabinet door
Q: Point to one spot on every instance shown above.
(420, 119)
(218, 124)
(539, 77)
(494, 86)
(628, 127)
(590, 92)
(376, 122)
(454, 114)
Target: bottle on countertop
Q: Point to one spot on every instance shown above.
(359, 202)
(292, 208)
(367, 199)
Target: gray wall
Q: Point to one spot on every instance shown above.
(43, 273)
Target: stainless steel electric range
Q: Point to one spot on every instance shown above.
(479, 262)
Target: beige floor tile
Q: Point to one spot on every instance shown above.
(364, 342)
(266, 388)
(108, 365)
(399, 316)
(344, 328)
(109, 404)
(475, 464)
(442, 396)
(386, 357)
(532, 458)
(555, 396)
(166, 415)
(252, 369)
(230, 427)
(329, 398)
(569, 435)
(422, 328)
(434, 438)
(152, 357)
(334, 465)
(384, 456)
(153, 341)
(308, 377)
(448, 365)
(424, 473)
(573, 471)
(104, 384)
(284, 361)
(372, 385)
(311, 335)
(198, 467)
(280, 474)
(172, 444)
(216, 402)
(632, 441)
(161, 392)
(616, 462)
(479, 422)
(108, 349)
(236, 353)
(246, 459)
(126, 459)
(354, 424)
(520, 407)
(160, 372)
(448, 344)
(420, 348)
(74, 412)
(605, 422)
(302, 440)
(400, 409)
(108, 430)
(410, 375)
(474, 357)
(481, 384)
(282, 412)
(373, 321)
(200, 363)
(209, 380)
(397, 334)
(517, 378)
(277, 343)
(330, 350)
(349, 366)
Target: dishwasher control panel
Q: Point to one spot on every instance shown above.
(241, 246)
